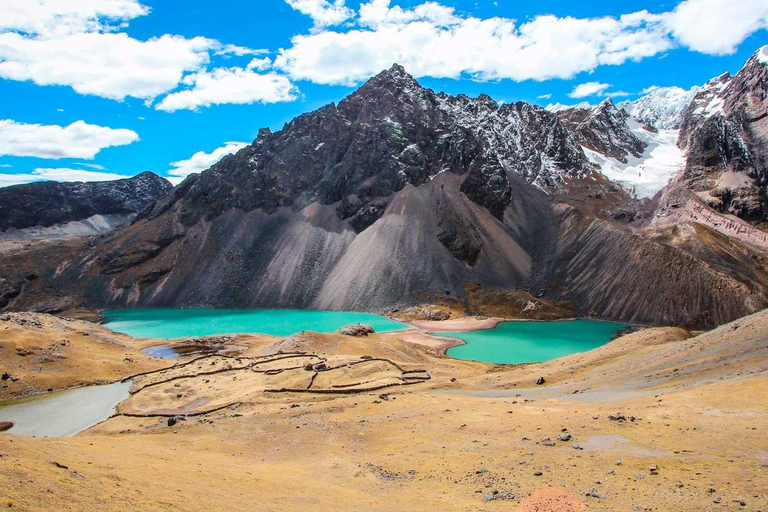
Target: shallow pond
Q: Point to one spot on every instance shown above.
(179, 323)
(179, 351)
(533, 342)
(63, 413)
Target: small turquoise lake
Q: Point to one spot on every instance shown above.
(533, 342)
(180, 323)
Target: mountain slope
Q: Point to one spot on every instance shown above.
(603, 129)
(663, 108)
(725, 133)
(49, 203)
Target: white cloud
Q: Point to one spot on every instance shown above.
(59, 174)
(98, 167)
(588, 89)
(377, 13)
(544, 96)
(431, 39)
(324, 13)
(443, 46)
(72, 43)
(229, 85)
(240, 51)
(78, 140)
(103, 64)
(51, 18)
(201, 161)
(716, 26)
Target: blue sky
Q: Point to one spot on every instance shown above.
(152, 82)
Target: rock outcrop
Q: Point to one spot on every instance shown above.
(725, 133)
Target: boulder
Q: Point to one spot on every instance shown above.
(356, 330)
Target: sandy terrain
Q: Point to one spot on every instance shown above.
(656, 420)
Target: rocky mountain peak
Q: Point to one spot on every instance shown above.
(603, 128)
(725, 132)
(663, 108)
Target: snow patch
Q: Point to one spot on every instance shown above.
(559, 107)
(645, 175)
(762, 55)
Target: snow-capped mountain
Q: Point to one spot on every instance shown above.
(664, 107)
(725, 134)
(397, 192)
(604, 129)
(559, 107)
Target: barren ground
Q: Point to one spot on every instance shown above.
(470, 436)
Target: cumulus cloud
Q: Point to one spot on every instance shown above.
(72, 43)
(230, 85)
(51, 18)
(110, 65)
(377, 13)
(431, 39)
(78, 140)
(324, 13)
(588, 89)
(57, 174)
(716, 27)
(201, 161)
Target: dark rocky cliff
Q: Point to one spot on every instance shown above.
(49, 202)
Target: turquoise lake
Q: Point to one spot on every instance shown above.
(179, 323)
(533, 342)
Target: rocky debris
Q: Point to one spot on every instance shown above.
(540, 381)
(387, 475)
(358, 330)
(5, 376)
(617, 417)
(59, 465)
(499, 495)
(564, 437)
(47, 203)
(175, 419)
(5, 425)
(594, 494)
(430, 313)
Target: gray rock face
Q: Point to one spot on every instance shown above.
(49, 203)
(603, 129)
(726, 135)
